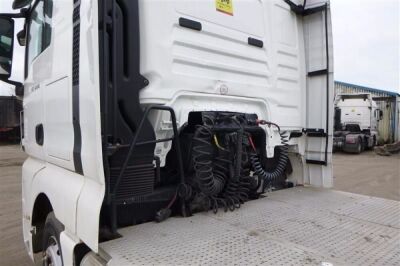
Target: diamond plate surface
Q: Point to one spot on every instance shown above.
(299, 226)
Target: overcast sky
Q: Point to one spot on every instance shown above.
(366, 43)
(366, 39)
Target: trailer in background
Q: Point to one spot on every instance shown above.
(10, 109)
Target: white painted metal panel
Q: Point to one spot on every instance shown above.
(62, 187)
(58, 129)
(181, 63)
(89, 93)
(179, 60)
(92, 193)
(29, 169)
(317, 93)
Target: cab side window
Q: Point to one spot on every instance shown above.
(39, 36)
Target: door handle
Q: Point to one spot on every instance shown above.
(39, 134)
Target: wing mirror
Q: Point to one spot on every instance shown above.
(6, 46)
(379, 114)
(21, 37)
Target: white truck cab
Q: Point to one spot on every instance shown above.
(356, 122)
(136, 111)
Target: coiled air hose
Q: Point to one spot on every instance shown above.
(210, 182)
(283, 159)
(222, 175)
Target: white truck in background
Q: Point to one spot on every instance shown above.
(155, 131)
(356, 122)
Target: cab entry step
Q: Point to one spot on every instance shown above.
(298, 226)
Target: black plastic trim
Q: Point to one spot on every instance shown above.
(301, 10)
(318, 73)
(75, 89)
(255, 42)
(190, 24)
(18, 4)
(296, 134)
(317, 162)
(297, 9)
(39, 134)
(325, 9)
(317, 135)
(310, 11)
(315, 132)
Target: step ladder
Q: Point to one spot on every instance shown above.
(113, 201)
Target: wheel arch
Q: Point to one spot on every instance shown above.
(80, 251)
(41, 208)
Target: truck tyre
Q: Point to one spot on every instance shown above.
(52, 254)
(359, 147)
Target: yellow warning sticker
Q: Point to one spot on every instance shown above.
(224, 6)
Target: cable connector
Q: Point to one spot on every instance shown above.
(162, 215)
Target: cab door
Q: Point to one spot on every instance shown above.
(48, 115)
(35, 79)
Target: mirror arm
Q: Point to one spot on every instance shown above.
(22, 14)
(19, 87)
(12, 82)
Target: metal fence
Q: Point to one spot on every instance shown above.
(388, 102)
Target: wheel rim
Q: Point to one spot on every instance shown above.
(52, 256)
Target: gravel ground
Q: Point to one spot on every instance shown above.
(367, 174)
(12, 250)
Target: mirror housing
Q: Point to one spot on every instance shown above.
(379, 114)
(6, 46)
(19, 87)
(18, 4)
(21, 37)
(19, 90)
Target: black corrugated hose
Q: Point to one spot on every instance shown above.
(210, 182)
(283, 159)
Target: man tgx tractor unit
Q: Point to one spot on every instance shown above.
(155, 130)
(356, 122)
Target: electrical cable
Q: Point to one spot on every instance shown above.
(217, 143)
(222, 169)
(279, 170)
(210, 184)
